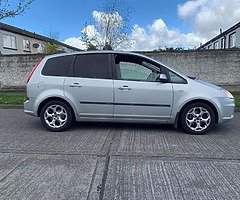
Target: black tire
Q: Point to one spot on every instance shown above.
(197, 118)
(56, 116)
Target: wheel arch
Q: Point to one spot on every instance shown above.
(199, 101)
(53, 99)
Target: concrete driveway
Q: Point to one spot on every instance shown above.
(116, 161)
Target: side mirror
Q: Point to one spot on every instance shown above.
(162, 78)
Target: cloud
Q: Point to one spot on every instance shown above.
(190, 7)
(90, 31)
(154, 36)
(75, 42)
(102, 18)
(207, 16)
(158, 35)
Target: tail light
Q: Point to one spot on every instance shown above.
(33, 70)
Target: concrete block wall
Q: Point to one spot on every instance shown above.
(15, 69)
(221, 67)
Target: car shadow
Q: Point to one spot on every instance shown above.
(117, 125)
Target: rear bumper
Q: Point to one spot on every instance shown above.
(226, 107)
(28, 108)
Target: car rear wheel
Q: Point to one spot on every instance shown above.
(197, 118)
(56, 116)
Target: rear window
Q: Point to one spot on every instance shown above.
(92, 66)
(57, 66)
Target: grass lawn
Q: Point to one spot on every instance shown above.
(12, 98)
(18, 98)
(237, 100)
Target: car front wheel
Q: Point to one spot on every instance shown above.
(56, 116)
(197, 118)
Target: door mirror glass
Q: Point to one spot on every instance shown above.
(162, 78)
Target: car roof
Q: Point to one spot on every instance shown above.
(104, 52)
(96, 52)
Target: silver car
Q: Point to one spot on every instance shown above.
(122, 87)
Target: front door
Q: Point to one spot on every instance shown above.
(138, 94)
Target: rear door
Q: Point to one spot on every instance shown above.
(138, 94)
(90, 85)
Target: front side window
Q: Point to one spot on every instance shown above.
(9, 41)
(26, 45)
(232, 40)
(92, 66)
(135, 69)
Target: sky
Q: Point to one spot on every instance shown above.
(154, 24)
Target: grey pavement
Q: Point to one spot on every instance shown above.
(116, 161)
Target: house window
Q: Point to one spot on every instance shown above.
(9, 41)
(232, 40)
(223, 43)
(215, 45)
(26, 45)
(210, 46)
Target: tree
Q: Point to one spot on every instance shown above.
(51, 47)
(13, 9)
(88, 40)
(110, 27)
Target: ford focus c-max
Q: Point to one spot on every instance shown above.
(122, 87)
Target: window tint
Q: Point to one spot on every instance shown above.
(130, 68)
(58, 66)
(92, 66)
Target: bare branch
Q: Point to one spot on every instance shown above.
(111, 24)
(8, 9)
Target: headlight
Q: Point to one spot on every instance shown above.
(229, 94)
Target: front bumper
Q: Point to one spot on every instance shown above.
(226, 107)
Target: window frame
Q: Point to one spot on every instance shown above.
(24, 49)
(223, 42)
(229, 40)
(15, 42)
(216, 45)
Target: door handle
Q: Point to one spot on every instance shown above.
(125, 87)
(75, 85)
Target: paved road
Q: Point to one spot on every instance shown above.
(116, 161)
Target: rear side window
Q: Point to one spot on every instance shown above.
(57, 66)
(92, 66)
